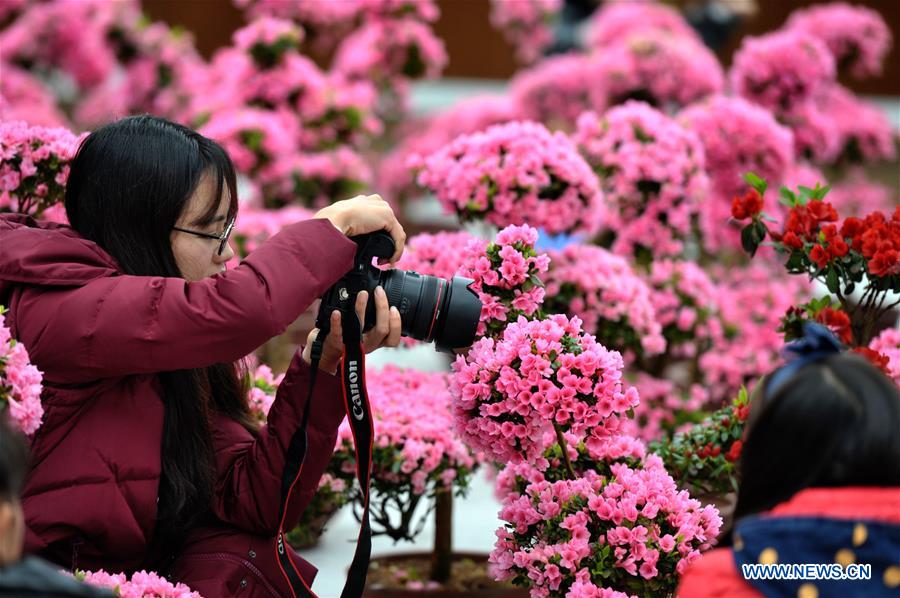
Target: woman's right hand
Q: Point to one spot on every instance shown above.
(366, 214)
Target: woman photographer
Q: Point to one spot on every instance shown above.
(147, 451)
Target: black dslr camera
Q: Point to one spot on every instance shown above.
(431, 308)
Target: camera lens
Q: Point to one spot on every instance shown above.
(434, 309)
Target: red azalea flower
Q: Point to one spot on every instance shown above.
(838, 321)
(853, 228)
(742, 412)
(838, 248)
(747, 206)
(737, 208)
(873, 239)
(822, 211)
(735, 451)
(791, 240)
(885, 263)
(877, 359)
(819, 256)
(802, 223)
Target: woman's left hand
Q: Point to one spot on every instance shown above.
(386, 332)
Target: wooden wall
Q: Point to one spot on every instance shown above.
(476, 50)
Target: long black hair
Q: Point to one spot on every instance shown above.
(834, 423)
(129, 183)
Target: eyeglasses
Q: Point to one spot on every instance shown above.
(222, 239)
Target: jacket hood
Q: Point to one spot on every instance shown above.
(46, 253)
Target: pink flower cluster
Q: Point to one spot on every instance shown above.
(263, 386)
(317, 14)
(663, 404)
(616, 21)
(540, 375)
(142, 584)
(507, 275)
(438, 254)
(20, 383)
(69, 37)
(327, 23)
(888, 344)
(634, 527)
(324, 22)
(604, 292)
(414, 444)
(751, 302)
(302, 11)
(652, 172)
(34, 166)
(737, 137)
(557, 89)
(857, 36)
(162, 71)
(781, 70)
(422, 10)
(11, 8)
(685, 300)
(23, 97)
(816, 135)
(595, 453)
(266, 38)
(864, 132)
(396, 177)
(315, 179)
(667, 71)
(857, 195)
(253, 226)
(526, 24)
(253, 137)
(388, 50)
(516, 173)
(325, 110)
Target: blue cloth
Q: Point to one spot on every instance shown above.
(547, 242)
(818, 540)
(817, 343)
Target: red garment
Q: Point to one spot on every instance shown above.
(715, 574)
(100, 337)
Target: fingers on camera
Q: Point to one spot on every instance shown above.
(382, 316)
(393, 338)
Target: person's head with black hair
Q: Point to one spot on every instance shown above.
(832, 422)
(13, 463)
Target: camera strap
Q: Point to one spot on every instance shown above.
(359, 414)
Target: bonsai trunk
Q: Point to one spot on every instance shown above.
(442, 557)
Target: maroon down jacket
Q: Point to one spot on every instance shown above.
(100, 337)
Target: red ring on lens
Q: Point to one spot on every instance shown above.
(437, 308)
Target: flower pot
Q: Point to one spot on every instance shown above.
(469, 578)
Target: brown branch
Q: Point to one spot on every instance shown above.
(565, 451)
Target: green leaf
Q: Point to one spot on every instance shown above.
(756, 182)
(831, 280)
(752, 235)
(806, 192)
(820, 192)
(748, 240)
(787, 197)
